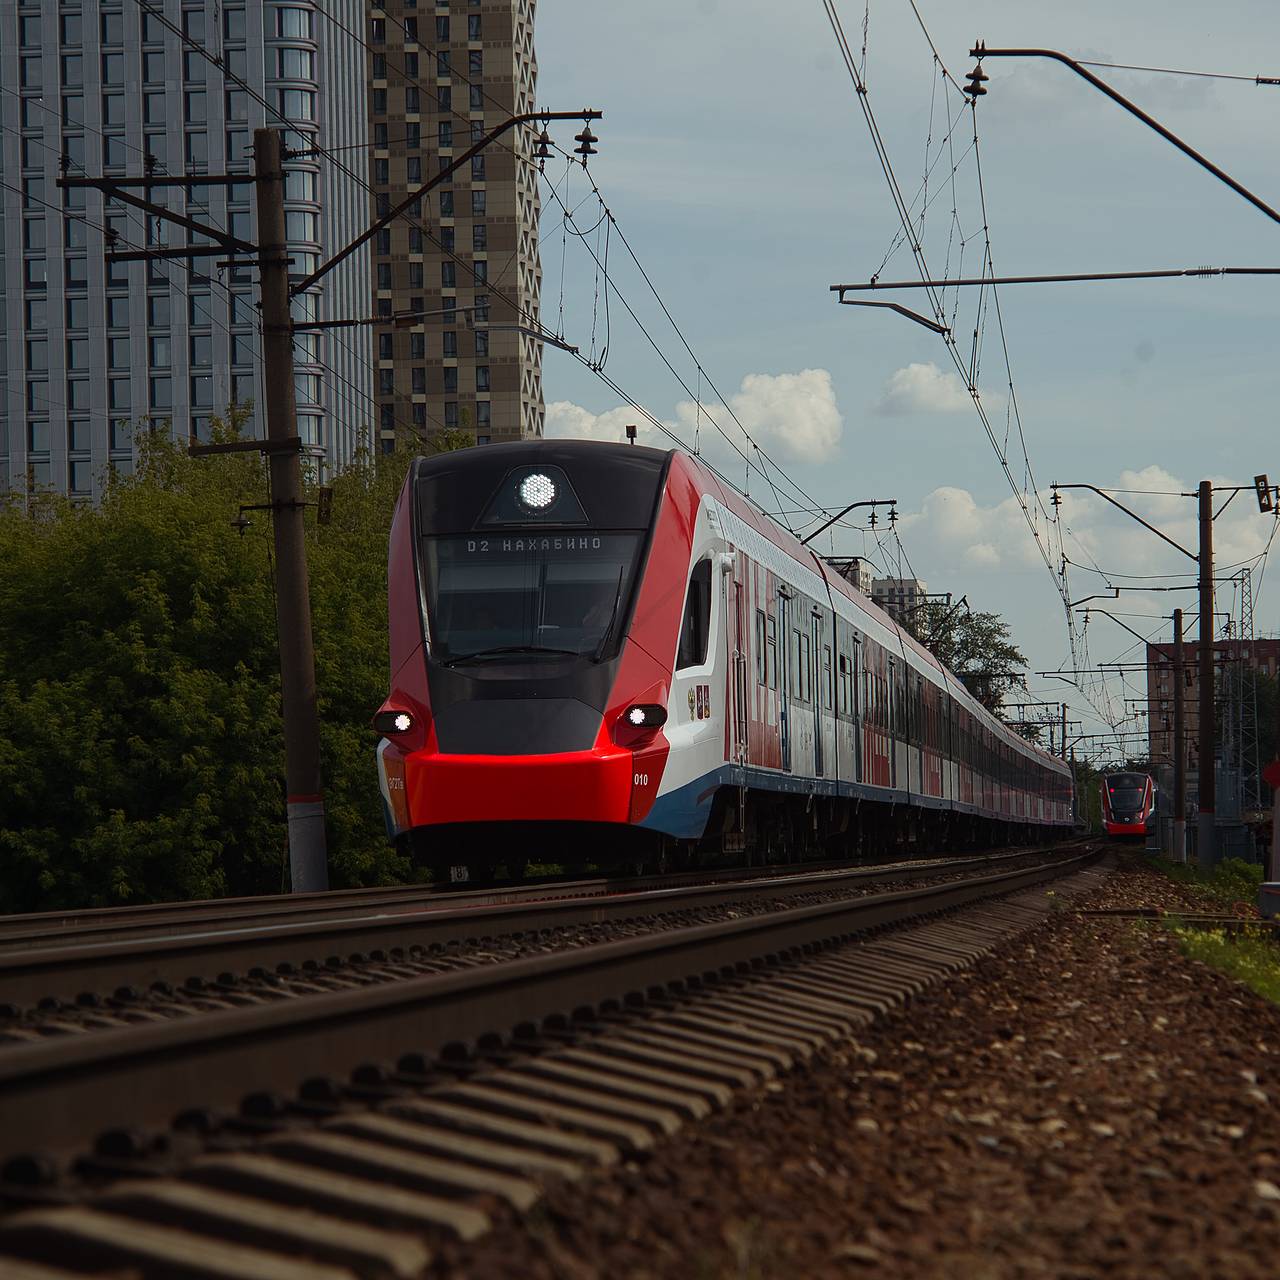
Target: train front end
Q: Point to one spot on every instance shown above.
(1128, 804)
(526, 707)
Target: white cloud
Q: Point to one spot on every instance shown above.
(923, 388)
(953, 531)
(793, 416)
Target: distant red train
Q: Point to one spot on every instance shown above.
(1128, 803)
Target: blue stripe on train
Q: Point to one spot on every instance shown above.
(684, 812)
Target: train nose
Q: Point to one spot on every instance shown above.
(579, 786)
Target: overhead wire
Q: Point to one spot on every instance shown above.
(886, 165)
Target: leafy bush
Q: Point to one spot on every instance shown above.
(141, 753)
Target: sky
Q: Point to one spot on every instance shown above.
(735, 160)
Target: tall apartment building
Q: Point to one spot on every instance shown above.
(461, 272)
(93, 349)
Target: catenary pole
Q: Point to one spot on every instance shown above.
(308, 857)
(1206, 851)
(1179, 746)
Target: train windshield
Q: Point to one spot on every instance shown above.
(1127, 790)
(526, 593)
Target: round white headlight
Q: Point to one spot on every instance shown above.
(636, 715)
(537, 491)
(403, 722)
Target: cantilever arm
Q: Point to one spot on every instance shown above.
(980, 51)
(1093, 488)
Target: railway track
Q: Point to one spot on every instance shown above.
(47, 929)
(641, 1030)
(102, 969)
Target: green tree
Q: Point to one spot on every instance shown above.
(976, 647)
(141, 752)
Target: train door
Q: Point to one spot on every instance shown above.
(891, 718)
(816, 684)
(784, 677)
(739, 675)
(856, 678)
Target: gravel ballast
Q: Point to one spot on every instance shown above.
(1086, 1102)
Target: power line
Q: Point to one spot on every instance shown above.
(969, 375)
(1170, 71)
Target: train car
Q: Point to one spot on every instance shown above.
(603, 647)
(1128, 803)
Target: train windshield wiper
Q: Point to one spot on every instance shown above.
(503, 650)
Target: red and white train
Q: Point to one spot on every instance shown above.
(1128, 803)
(602, 649)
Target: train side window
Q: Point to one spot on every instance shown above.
(762, 662)
(771, 652)
(843, 705)
(827, 676)
(696, 628)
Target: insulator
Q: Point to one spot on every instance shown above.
(584, 141)
(976, 78)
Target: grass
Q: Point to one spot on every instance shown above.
(1232, 881)
(1250, 956)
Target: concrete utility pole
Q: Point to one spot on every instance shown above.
(1179, 747)
(308, 855)
(1206, 835)
(1064, 730)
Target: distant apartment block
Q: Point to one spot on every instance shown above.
(854, 570)
(899, 595)
(95, 349)
(1262, 655)
(456, 285)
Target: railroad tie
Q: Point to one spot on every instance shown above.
(376, 1161)
(251, 1221)
(88, 1237)
(341, 1195)
(532, 1135)
(417, 1135)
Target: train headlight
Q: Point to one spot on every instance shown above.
(388, 723)
(537, 491)
(646, 715)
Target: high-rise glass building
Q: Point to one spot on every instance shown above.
(442, 73)
(94, 350)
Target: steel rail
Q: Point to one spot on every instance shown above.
(59, 1094)
(72, 927)
(28, 976)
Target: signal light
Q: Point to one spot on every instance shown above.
(389, 723)
(646, 715)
